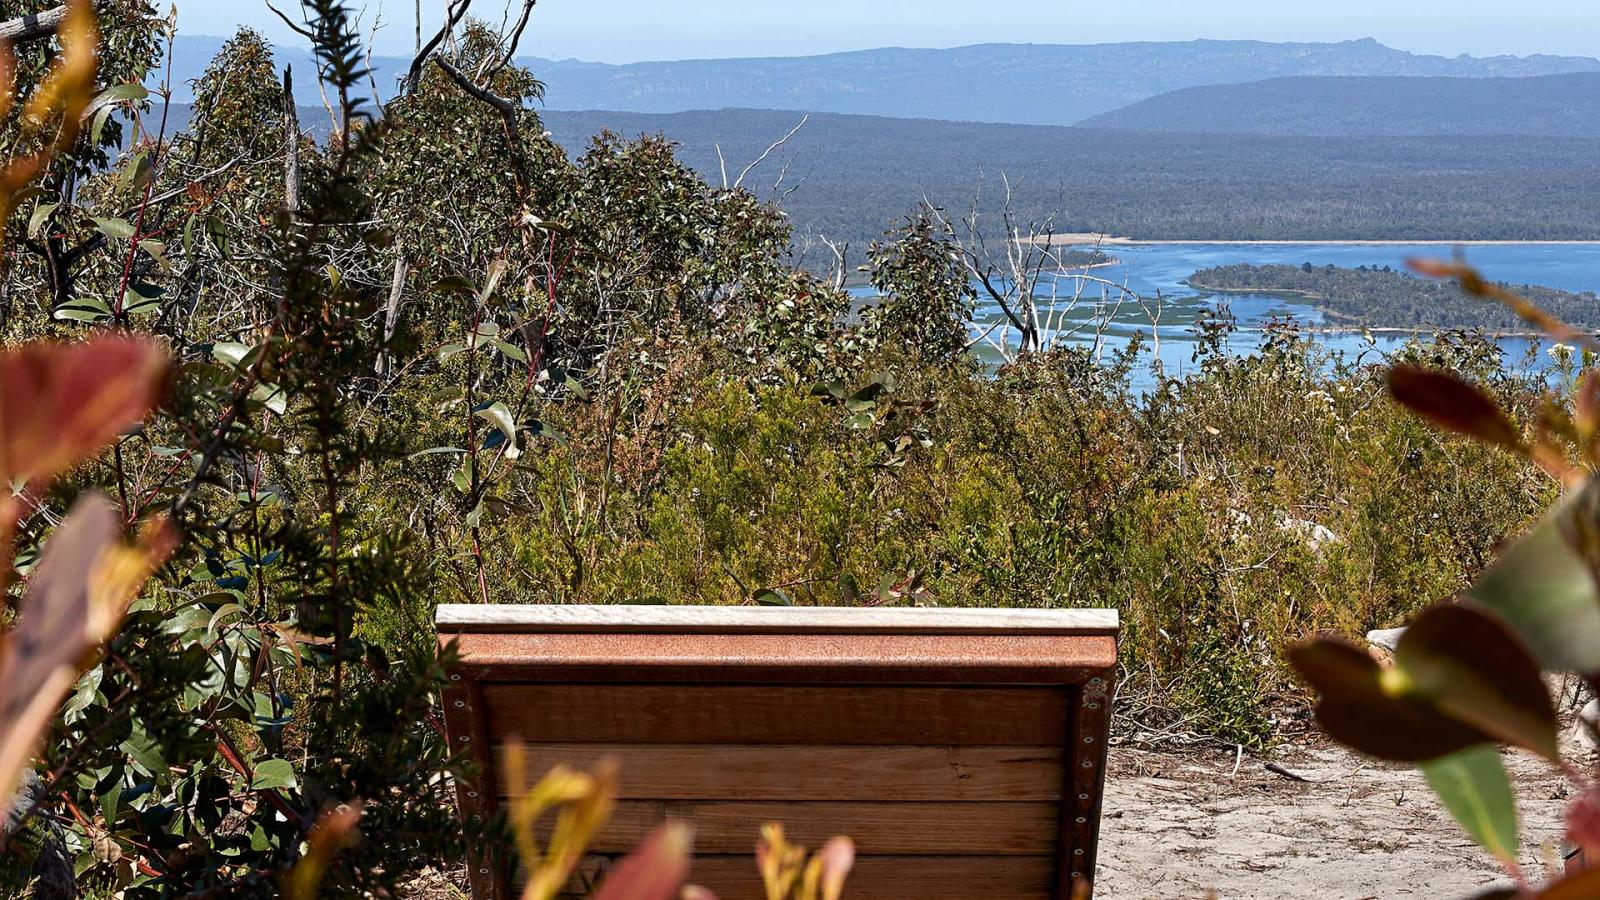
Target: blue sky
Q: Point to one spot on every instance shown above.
(630, 30)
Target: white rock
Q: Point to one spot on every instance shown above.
(1387, 638)
(1316, 536)
(1589, 714)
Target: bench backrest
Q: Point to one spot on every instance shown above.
(963, 750)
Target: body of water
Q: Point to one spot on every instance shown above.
(1152, 270)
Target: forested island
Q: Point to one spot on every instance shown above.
(1390, 298)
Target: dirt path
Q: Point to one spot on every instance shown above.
(1177, 825)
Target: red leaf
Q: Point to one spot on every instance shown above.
(59, 403)
(56, 629)
(1470, 665)
(1584, 885)
(1356, 710)
(837, 856)
(653, 872)
(1435, 268)
(1583, 822)
(1453, 405)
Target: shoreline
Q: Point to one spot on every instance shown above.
(1426, 330)
(1286, 293)
(1352, 325)
(1092, 239)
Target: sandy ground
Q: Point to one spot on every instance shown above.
(1179, 825)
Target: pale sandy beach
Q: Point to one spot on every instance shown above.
(1090, 238)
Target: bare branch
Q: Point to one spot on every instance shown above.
(456, 11)
(301, 30)
(501, 105)
(840, 253)
(514, 41)
(739, 182)
(33, 26)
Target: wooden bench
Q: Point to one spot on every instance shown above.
(962, 749)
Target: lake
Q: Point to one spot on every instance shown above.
(1149, 269)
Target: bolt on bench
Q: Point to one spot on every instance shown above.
(963, 750)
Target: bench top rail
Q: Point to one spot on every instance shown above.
(549, 619)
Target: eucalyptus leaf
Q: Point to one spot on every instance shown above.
(436, 451)
(455, 284)
(272, 396)
(511, 350)
(273, 774)
(230, 352)
(499, 415)
(83, 309)
(1473, 786)
(114, 227)
(40, 216)
(1468, 665)
(1543, 588)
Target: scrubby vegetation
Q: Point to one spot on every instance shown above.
(1389, 298)
(436, 358)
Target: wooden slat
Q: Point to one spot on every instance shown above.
(734, 714)
(456, 617)
(957, 829)
(773, 658)
(799, 772)
(883, 877)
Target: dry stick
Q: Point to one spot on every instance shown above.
(291, 141)
(1276, 769)
(391, 313)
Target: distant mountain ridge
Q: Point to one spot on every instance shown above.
(1037, 84)
(1042, 84)
(1548, 105)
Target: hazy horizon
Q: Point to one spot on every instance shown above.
(709, 29)
(525, 53)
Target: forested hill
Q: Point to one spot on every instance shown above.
(1555, 105)
(1048, 84)
(849, 175)
(1386, 298)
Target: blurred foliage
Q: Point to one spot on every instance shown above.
(1468, 677)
